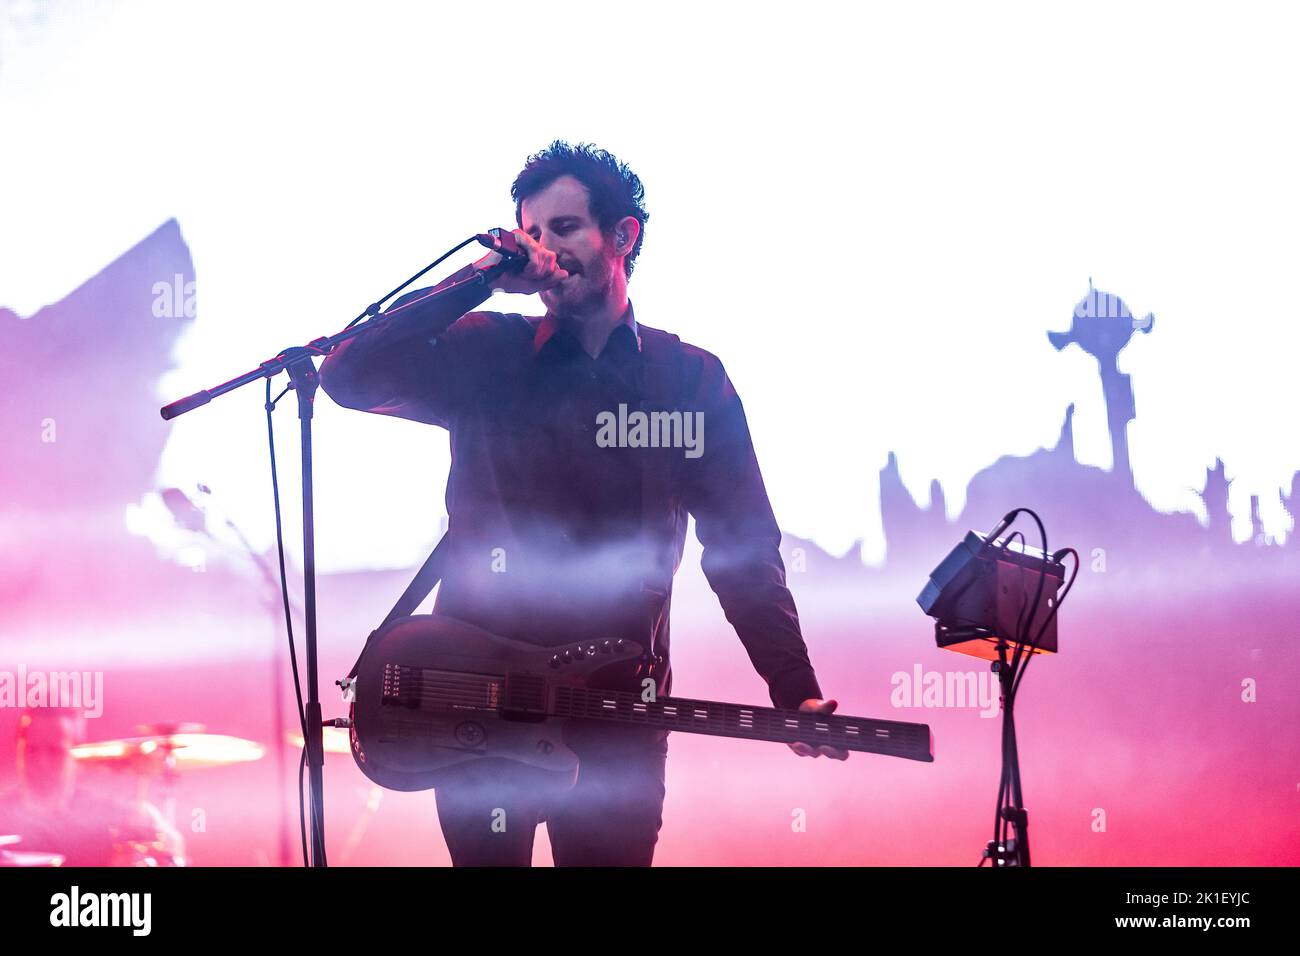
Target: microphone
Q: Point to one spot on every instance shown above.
(505, 244)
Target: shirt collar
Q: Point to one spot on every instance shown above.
(549, 325)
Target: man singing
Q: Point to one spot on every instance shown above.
(556, 532)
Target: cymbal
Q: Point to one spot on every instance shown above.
(21, 858)
(336, 740)
(178, 751)
(167, 728)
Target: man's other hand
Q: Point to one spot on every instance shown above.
(815, 706)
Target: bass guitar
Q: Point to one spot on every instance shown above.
(437, 700)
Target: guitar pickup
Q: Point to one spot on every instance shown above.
(524, 696)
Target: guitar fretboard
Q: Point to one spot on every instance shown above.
(867, 735)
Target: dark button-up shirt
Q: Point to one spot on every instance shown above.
(561, 528)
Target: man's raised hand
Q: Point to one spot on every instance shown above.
(542, 272)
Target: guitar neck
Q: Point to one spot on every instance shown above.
(866, 735)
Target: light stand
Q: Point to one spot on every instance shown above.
(986, 598)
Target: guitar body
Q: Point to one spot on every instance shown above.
(439, 701)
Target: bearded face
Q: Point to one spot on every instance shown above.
(559, 217)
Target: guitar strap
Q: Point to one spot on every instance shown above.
(663, 361)
(663, 390)
(421, 585)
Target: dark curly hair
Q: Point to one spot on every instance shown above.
(614, 189)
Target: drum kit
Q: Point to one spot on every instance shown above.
(162, 754)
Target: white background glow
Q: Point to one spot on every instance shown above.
(864, 210)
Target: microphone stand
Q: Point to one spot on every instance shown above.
(300, 364)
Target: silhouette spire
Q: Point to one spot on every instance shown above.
(1215, 496)
(1102, 326)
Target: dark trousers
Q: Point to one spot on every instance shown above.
(610, 817)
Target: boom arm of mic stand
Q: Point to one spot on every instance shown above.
(410, 312)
